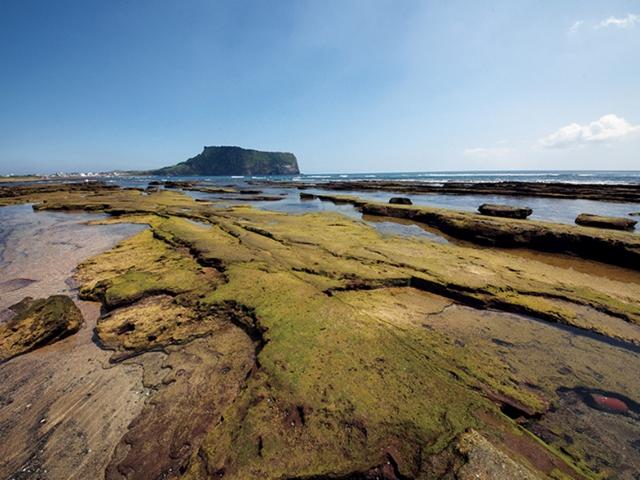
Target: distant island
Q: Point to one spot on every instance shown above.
(223, 161)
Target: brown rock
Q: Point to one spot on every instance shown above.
(508, 211)
(36, 323)
(615, 223)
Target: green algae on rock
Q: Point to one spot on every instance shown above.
(618, 248)
(324, 386)
(296, 350)
(31, 324)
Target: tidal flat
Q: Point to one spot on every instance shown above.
(226, 341)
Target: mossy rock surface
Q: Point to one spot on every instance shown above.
(34, 323)
(309, 346)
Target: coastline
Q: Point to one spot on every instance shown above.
(326, 337)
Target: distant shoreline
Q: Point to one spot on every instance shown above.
(21, 178)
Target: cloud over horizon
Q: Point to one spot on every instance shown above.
(607, 128)
(487, 152)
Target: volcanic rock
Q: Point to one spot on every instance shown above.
(36, 323)
(508, 211)
(400, 201)
(615, 223)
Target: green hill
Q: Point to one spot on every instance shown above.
(223, 161)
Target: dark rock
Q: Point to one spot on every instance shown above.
(154, 183)
(615, 223)
(635, 214)
(400, 201)
(175, 184)
(307, 196)
(35, 323)
(250, 192)
(508, 211)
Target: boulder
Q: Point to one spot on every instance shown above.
(508, 211)
(34, 323)
(615, 223)
(307, 196)
(400, 201)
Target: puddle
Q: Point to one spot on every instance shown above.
(198, 223)
(291, 203)
(62, 412)
(605, 401)
(405, 228)
(40, 250)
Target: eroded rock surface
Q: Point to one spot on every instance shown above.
(287, 347)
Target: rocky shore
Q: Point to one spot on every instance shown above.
(611, 247)
(606, 193)
(309, 346)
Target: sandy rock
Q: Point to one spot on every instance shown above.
(486, 462)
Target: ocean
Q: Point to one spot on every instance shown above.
(569, 176)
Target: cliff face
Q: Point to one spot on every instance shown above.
(224, 161)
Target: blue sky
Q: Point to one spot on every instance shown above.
(348, 86)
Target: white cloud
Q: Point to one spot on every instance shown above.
(575, 27)
(625, 22)
(607, 128)
(491, 152)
